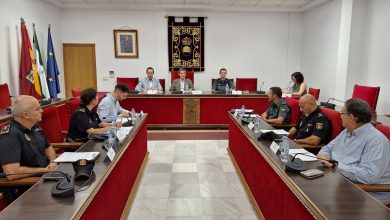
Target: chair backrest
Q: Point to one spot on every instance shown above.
(368, 94)
(73, 105)
(51, 124)
(162, 83)
(249, 84)
(189, 75)
(294, 109)
(76, 92)
(131, 83)
(335, 121)
(64, 115)
(314, 92)
(5, 99)
(384, 129)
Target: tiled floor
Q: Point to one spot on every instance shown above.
(190, 180)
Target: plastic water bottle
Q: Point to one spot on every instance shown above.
(227, 89)
(256, 129)
(186, 88)
(132, 114)
(242, 112)
(284, 149)
(112, 135)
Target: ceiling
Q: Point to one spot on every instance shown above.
(194, 5)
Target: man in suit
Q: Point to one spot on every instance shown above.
(181, 84)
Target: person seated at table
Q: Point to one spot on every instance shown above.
(220, 84)
(24, 147)
(84, 121)
(299, 87)
(313, 127)
(109, 108)
(278, 112)
(149, 83)
(361, 150)
(182, 83)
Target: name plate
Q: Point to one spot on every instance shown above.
(196, 92)
(236, 92)
(151, 92)
(274, 147)
(284, 95)
(251, 125)
(111, 153)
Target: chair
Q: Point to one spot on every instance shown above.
(73, 105)
(64, 114)
(368, 94)
(314, 92)
(213, 81)
(131, 83)
(189, 75)
(5, 97)
(76, 92)
(294, 114)
(162, 83)
(51, 125)
(384, 129)
(334, 120)
(249, 84)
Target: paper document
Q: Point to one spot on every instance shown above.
(302, 151)
(284, 95)
(75, 156)
(276, 131)
(246, 110)
(122, 133)
(253, 115)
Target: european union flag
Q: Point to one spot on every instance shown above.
(52, 69)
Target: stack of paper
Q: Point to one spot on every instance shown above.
(306, 157)
(276, 131)
(75, 156)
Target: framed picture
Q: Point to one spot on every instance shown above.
(126, 43)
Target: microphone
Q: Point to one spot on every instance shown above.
(261, 92)
(333, 162)
(288, 85)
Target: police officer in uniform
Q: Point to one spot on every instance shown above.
(220, 84)
(84, 121)
(24, 149)
(278, 112)
(313, 127)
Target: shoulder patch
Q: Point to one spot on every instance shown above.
(5, 129)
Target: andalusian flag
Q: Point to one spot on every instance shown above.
(40, 69)
(28, 75)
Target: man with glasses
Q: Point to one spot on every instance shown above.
(361, 150)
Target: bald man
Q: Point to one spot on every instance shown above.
(23, 145)
(313, 127)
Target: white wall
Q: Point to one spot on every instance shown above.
(33, 11)
(263, 45)
(376, 67)
(321, 30)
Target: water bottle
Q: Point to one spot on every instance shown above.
(284, 148)
(227, 89)
(112, 135)
(186, 88)
(256, 129)
(132, 114)
(242, 112)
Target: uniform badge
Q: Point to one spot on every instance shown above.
(5, 129)
(27, 137)
(319, 126)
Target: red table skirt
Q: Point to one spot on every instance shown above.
(274, 198)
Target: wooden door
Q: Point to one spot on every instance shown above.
(79, 67)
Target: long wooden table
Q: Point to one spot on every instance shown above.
(281, 195)
(207, 109)
(6, 116)
(108, 197)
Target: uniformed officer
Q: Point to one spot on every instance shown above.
(24, 149)
(313, 127)
(84, 121)
(220, 84)
(278, 112)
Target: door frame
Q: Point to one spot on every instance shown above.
(93, 60)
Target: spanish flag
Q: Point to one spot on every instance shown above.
(28, 74)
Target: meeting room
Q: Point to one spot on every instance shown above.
(194, 109)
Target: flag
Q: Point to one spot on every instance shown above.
(28, 75)
(40, 69)
(52, 69)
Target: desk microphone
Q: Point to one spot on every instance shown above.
(296, 165)
(288, 85)
(261, 92)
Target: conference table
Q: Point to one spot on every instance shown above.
(277, 194)
(6, 116)
(207, 109)
(110, 193)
